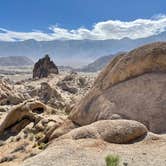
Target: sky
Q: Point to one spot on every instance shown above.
(80, 19)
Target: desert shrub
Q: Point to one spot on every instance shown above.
(42, 146)
(112, 160)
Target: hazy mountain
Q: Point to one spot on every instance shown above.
(15, 61)
(97, 64)
(73, 53)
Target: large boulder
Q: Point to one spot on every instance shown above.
(132, 86)
(112, 131)
(44, 67)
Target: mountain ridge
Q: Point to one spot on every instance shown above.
(15, 61)
(74, 53)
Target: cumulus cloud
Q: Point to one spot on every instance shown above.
(111, 29)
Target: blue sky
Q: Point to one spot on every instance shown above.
(31, 15)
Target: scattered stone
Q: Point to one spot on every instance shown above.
(64, 86)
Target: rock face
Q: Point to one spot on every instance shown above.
(44, 67)
(132, 86)
(112, 131)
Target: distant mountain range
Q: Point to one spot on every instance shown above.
(97, 65)
(15, 61)
(74, 53)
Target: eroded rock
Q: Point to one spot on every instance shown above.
(21, 115)
(44, 67)
(112, 131)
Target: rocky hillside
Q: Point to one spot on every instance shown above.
(16, 61)
(77, 119)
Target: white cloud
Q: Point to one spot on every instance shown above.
(112, 29)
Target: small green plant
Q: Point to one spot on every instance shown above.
(112, 160)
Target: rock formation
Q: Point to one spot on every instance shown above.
(8, 95)
(112, 131)
(44, 67)
(21, 115)
(131, 86)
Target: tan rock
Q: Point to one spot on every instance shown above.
(8, 95)
(23, 113)
(64, 128)
(112, 131)
(132, 86)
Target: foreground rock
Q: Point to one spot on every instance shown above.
(20, 116)
(25, 131)
(132, 86)
(92, 152)
(44, 67)
(112, 131)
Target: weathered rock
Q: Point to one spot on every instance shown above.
(8, 95)
(44, 67)
(21, 115)
(81, 81)
(67, 126)
(92, 152)
(112, 131)
(64, 86)
(132, 86)
(46, 93)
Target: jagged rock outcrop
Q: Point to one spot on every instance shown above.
(44, 67)
(131, 86)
